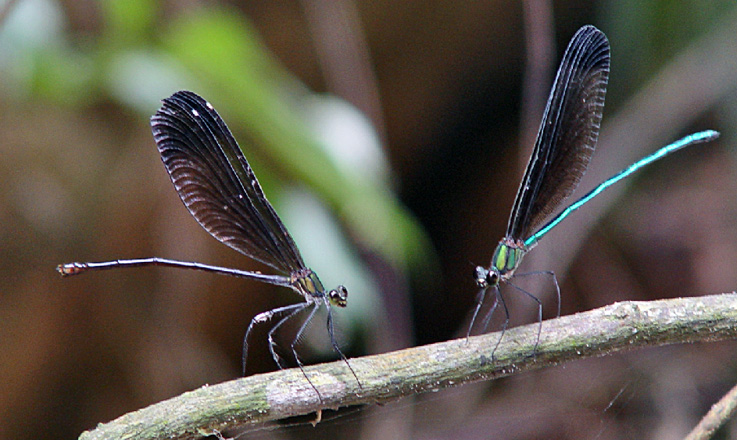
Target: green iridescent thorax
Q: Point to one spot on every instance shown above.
(307, 282)
(507, 257)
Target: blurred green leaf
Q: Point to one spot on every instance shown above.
(127, 22)
(61, 75)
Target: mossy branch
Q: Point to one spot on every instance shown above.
(266, 397)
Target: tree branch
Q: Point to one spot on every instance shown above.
(266, 397)
(719, 414)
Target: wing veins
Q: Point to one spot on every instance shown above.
(567, 134)
(208, 170)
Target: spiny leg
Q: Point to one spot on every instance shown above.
(315, 306)
(270, 336)
(261, 318)
(490, 313)
(336, 347)
(500, 299)
(539, 314)
(479, 302)
(551, 274)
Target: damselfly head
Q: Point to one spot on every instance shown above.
(338, 297)
(486, 277)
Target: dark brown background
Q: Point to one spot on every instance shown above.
(81, 180)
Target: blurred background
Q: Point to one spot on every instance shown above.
(390, 137)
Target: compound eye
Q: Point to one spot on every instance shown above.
(481, 276)
(492, 278)
(339, 297)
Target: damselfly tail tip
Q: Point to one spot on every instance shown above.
(70, 269)
(701, 136)
(710, 135)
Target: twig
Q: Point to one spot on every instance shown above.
(257, 399)
(717, 416)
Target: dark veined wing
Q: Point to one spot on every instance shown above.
(216, 184)
(568, 132)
